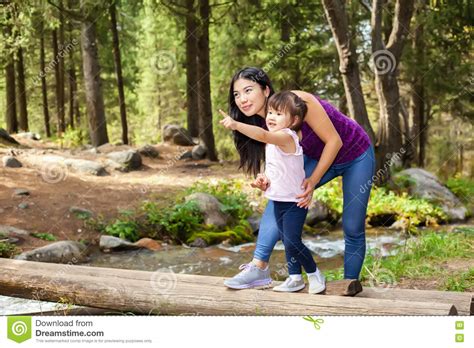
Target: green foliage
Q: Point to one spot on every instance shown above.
(229, 193)
(179, 221)
(73, 138)
(239, 234)
(411, 211)
(124, 227)
(463, 188)
(7, 250)
(44, 236)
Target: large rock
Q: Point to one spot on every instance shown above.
(254, 221)
(210, 208)
(115, 243)
(426, 185)
(11, 162)
(52, 165)
(29, 135)
(178, 135)
(10, 231)
(58, 252)
(85, 166)
(317, 213)
(199, 152)
(149, 151)
(127, 160)
(6, 139)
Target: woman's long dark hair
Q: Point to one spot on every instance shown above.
(251, 152)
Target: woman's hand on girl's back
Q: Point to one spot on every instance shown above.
(306, 197)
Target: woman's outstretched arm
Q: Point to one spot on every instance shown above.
(320, 123)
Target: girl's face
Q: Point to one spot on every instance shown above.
(249, 97)
(277, 120)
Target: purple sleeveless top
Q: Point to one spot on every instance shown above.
(354, 138)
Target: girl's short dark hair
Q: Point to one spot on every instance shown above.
(251, 152)
(289, 102)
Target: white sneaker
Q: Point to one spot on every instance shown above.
(290, 285)
(317, 282)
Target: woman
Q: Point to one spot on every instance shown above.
(333, 145)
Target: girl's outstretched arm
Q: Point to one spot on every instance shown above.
(279, 138)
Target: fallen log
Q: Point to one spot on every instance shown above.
(463, 301)
(168, 293)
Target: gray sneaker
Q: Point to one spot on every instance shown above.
(290, 285)
(250, 277)
(317, 282)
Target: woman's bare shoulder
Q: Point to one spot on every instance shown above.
(307, 97)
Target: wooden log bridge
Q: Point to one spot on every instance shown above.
(143, 292)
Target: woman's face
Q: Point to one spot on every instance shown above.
(249, 97)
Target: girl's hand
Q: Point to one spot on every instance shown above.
(228, 122)
(261, 182)
(306, 197)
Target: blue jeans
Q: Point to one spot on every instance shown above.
(356, 184)
(290, 220)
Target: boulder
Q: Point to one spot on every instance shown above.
(318, 212)
(80, 212)
(126, 160)
(58, 252)
(11, 162)
(6, 139)
(426, 185)
(210, 208)
(178, 135)
(186, 155)
(85, 166)
(115, 243)
(199, 152)
(254, 221)
(29, 135)
(21, 192)
(149, 151)
(10, 231)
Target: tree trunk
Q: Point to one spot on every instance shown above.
(59, 84)
(92, 84)
(22, 101)
(44, 88)
(386, 60)
(417, 92)
(423, 135)
(348, 66)
(118, 72)
(191, 70)
(62, 74)
(74, 113)
(11, 117)
(204, 84)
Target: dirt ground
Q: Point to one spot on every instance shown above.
(49, 203)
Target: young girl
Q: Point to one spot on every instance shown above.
(284, 173)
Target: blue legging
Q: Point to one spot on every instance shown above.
(356, 184)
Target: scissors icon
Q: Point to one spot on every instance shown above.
(316, 322)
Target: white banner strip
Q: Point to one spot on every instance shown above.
(238, 332)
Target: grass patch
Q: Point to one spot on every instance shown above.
(421, 257)
(44, 236)
(8, 250)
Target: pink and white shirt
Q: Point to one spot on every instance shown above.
(285, 171)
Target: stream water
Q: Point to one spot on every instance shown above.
(216, 260)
